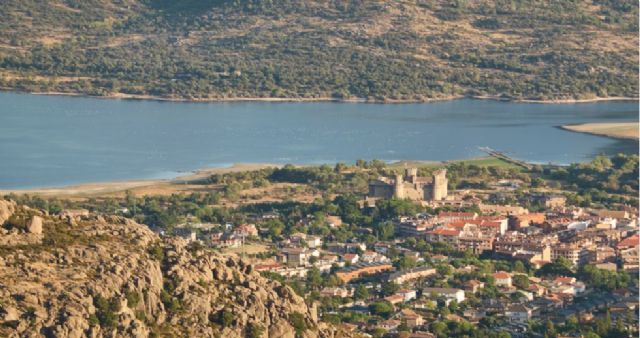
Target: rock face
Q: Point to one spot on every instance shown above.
(7, 208)
(112, 277)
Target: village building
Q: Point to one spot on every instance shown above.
(448, 294)
(410, 275)
(407, 294)
(472, 238)
(294, 256)
(413, 226)
(358, 270)
(502, 210)
(518, 313)
(452, 216)
(411, 318)
(335, 292)
(373, 257)
(225, 240)
(503, 279)
(187, 234)
(333, 221)
(602, 254)
(390, 324)
(576, 253)
(394, 299)
(628, 251)
(616, 214)
(473, 286)
(522, 221)
(445, 235)
(351, 258)
(245, 230)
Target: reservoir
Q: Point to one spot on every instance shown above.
(58, 140)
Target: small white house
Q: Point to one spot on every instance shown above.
(448, 293)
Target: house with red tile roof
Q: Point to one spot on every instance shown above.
(629, 242)
(351, 258)
(473, 286)
(503, 279)
(411, 318)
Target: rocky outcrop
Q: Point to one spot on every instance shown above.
(112, 277)
(7, 208)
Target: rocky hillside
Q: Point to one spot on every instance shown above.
(375, 50)
(111, 277)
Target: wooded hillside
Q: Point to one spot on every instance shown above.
(376, 50)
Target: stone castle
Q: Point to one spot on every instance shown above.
(411, 186)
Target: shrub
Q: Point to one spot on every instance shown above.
(106, 310)
(255, 330)
(297, 321)
(133, 298)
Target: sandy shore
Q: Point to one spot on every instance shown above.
(622, 130)
(558, 101)
(157, 185)
(123, 96)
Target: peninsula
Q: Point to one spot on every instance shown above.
(623, 130)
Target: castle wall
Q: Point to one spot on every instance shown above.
(381, 191)
(413, 187)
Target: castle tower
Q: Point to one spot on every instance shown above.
(411, 174)
(399, 187)
(440, 183)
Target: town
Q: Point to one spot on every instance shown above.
(427, 252)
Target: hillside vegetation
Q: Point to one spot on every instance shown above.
(347, 49)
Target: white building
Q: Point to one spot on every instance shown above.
(448, 293)
(518, 313)
(407, 294)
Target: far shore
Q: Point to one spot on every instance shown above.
(122, 96)
(620, 130)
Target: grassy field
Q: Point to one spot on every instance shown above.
(481, 162)
(248, 248)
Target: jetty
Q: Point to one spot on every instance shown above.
(506, 158)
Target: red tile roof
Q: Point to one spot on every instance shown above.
(479, 222)
(629, 242)
(564, 280)
(501, 275)
(456, 214)
(446, 232)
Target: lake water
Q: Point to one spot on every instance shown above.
(57, 140)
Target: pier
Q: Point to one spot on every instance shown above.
(506, 158)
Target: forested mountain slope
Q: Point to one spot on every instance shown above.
(376, 50)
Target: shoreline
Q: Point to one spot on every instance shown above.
(193, 177)
(115, 186)
(135, 97)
